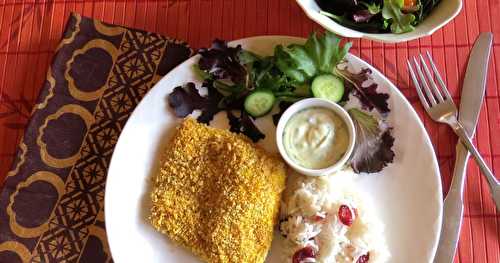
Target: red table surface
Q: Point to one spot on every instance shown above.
(30, 31)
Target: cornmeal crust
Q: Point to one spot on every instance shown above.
(217, 194)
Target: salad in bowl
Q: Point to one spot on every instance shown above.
(382, 20)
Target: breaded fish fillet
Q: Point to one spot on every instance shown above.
(217, 194)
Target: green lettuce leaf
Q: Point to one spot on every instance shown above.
(373, 8)
(319, 55)
(326, 51)
(295, 62)
(265, 75)
(400, 22)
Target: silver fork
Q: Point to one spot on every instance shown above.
(439, 105)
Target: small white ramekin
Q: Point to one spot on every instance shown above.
(306, 104)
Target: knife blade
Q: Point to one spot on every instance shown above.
(470, 106)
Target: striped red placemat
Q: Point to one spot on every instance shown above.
(31, 30)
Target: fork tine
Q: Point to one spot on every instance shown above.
(430, 79)
(424, 83)
(438, 76)
(423, 100)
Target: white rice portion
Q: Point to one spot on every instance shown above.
(309, 217)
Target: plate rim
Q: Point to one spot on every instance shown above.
(375, 71)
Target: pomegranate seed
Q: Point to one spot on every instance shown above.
(363, 258)
(303, 253)
(346, 215)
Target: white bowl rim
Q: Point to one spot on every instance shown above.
(343, 31)
(306, 104)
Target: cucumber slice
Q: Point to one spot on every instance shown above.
(328, 87)
(259, 103)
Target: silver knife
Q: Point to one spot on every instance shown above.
(470, 107)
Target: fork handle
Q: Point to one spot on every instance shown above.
(490, 177)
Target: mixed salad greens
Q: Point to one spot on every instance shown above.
(378, 16)
(247, 86)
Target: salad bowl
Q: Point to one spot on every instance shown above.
(440, 15)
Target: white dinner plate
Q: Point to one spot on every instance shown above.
(406, 194)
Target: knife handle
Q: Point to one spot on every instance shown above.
(485, 170)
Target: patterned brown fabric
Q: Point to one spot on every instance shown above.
(51, 207)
